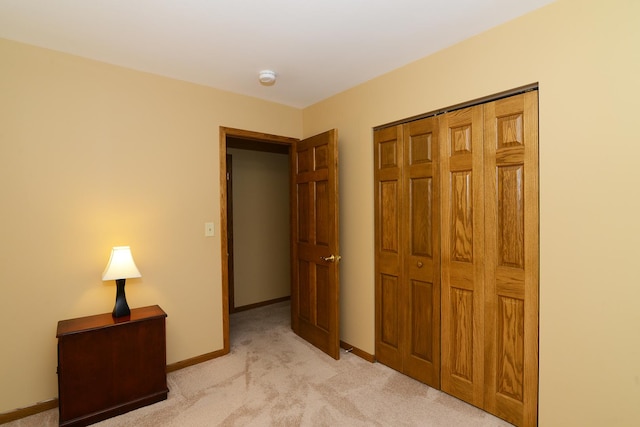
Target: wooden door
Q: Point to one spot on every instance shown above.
(462, 254)
(316, 251)
(490, 256)
(484, 161)
(421, 249)
(407, 251)
(388, 160)
(511, 280)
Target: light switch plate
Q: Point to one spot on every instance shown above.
(208, 229)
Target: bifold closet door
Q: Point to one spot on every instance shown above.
(408, 249)
(490, 256)
(421, 251)
(511, 261)
(388, 159)
(457, 253)
(462, 198)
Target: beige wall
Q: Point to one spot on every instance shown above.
(93, 156)
(586, 57)
(261, 234)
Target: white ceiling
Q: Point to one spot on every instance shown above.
(317, 48)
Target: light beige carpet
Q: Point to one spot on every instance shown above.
(274, 378)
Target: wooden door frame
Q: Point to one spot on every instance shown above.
(229, 234)
(254, 141)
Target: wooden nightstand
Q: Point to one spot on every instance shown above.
(108, 366)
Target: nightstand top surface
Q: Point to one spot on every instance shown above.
(99, 321)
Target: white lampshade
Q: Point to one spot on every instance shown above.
(121, 265)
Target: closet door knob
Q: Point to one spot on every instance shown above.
(420, 264)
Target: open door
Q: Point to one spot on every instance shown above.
(315, 244)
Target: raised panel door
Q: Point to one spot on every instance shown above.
(421, 249)
(457, 216)
(462, 254)
(388, 159)
(315, 272)
(511, 281)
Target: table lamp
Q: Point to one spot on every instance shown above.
(120, 268)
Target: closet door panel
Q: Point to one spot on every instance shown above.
(388, 157)
(421, 228)
(511, 281)
(457, 263)
(462, 254)
(389, 313)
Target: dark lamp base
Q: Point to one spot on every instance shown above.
(121, 308)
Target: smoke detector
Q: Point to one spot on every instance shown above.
(267, 77)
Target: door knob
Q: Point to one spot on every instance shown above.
(331, 258)
(420, 264)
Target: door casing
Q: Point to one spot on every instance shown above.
(274, 143)
(252, 140)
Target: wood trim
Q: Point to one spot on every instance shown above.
(255, 136)
(358, 352)
(261, 304)
(230, 236)
(28, 411)
(224, 250)
(248, 144)
(252, 137)
(53, 403)
(195, 360)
